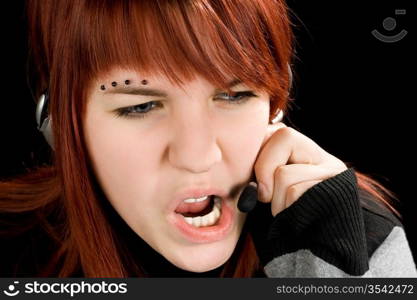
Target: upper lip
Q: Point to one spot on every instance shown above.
(196, 192)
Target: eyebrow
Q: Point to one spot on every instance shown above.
(131, 90)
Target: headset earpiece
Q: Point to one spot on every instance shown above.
(43, 119)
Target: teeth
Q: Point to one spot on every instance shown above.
(208, 219)
(192, 200)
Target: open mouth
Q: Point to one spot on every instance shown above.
(204, 213)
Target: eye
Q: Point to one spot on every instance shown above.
(145, 109)
(137, 111)
(238, 97)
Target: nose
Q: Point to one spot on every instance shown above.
(194, 146)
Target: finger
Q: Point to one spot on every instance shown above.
(294, 193)
(286, 146)
(289, 175)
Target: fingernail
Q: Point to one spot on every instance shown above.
(263, 192)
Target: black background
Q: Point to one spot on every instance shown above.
(353, 93)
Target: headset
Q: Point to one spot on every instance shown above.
(44, 121)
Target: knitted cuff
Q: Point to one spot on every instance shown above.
(327, 220)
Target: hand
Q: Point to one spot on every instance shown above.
(288, 164)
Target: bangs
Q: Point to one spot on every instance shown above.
(217, 40)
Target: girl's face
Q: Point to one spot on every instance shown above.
(166, 148)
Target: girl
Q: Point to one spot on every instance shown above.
(159, 114)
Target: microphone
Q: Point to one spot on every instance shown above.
(249, 197)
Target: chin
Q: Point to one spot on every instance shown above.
(204, 257)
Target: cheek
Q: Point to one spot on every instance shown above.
(246, 136)
(119, 157)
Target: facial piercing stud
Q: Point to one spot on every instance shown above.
(102, 87)
(114, 83)
(127, 82)
(144, 81)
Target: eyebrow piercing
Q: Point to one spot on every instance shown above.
(144, 81)
(102, 87)
(114, 83)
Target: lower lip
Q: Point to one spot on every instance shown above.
(206, 234)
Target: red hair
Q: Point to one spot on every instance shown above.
(73, 42)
